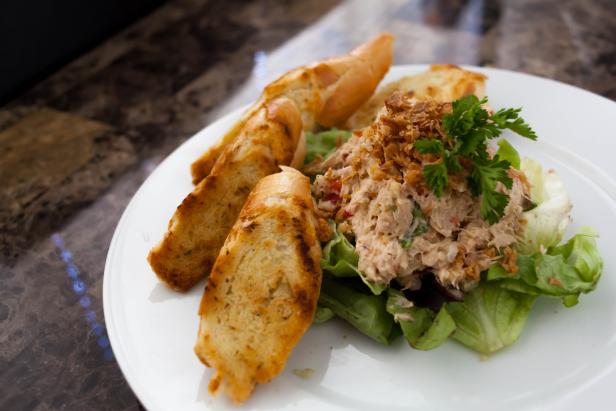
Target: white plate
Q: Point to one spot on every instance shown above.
(564, 359)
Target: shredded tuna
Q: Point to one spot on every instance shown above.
(373, 187)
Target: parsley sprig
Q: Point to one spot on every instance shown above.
(468, 128)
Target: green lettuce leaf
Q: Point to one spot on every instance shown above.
(501, 277)
(581, 253)
(534, 173)
(564, 271)
(490, 318)
(324, 143)
(423, 328)
(507, 152)
(322, 314)
(547, 222)
(339, 256)
(365, 312)
(419, 226)
(340, 259)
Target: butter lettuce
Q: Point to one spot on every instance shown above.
(340, 259)
(566, 271)
(339, 256)
(490, 318)
(507, 152)
(365, 312)
(423, 328)
(547, 222)
(322, 314)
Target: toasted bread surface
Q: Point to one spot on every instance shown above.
(208, 159)
(200, 224)
(326, 93)
(263, 289)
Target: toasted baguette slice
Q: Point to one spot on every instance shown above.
(442, 82)
(326, 93)
(200, 224)
(262, 293)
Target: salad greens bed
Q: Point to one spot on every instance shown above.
(491, 316)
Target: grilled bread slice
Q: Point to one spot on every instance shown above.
(442, 82)
(326, 93)
(262, 293)
(200, 224)
(268, 135)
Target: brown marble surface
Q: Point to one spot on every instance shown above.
(75, 148)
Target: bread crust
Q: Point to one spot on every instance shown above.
(326, 93)
(263, 289)
(200, 224)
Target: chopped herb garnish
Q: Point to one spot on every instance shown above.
(419, 226)
(405, 242)
(468, 128)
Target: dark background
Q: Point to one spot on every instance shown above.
(39, 36)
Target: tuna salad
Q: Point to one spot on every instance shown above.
(374, 189)
(439, 232)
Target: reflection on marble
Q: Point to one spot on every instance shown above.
(516, 35)
(75, 148)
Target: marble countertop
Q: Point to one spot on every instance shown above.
(75, 148)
